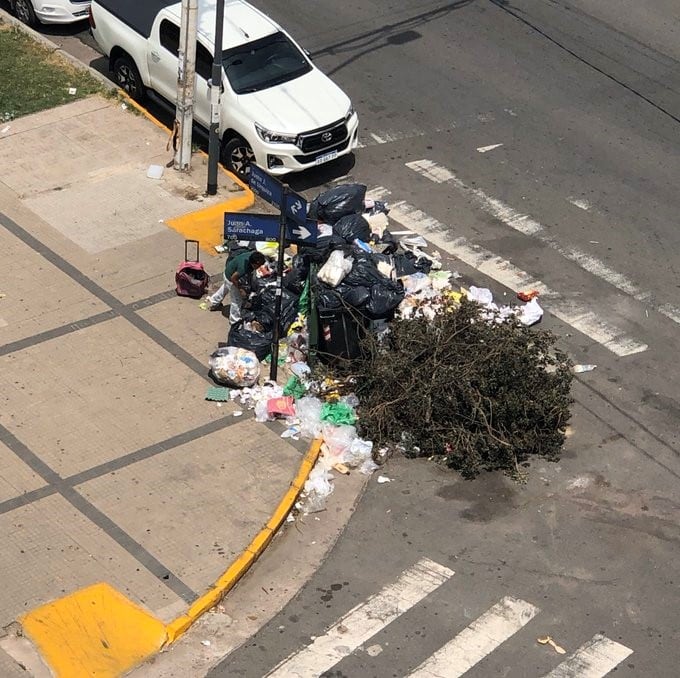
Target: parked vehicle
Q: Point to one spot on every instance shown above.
(276, 109)
(35, 12)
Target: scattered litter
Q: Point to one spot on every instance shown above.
(384, 479)
(290, 518)
(374, 650)
(577, 369)
(486, 149)
(5, 129)
(206, 643)
(527, 296)
(547, 640)
(155, 171)
(317, 489)
(72, 90)
(237, 413)
(219, 393)
(123, 106)
(341, 468)
(285, 405)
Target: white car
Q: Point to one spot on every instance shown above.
(277, 108)
(34, 12)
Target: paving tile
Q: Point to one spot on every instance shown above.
(38, 296)
(15, 477)
(196, 507)
(50, 549)
(98, 393)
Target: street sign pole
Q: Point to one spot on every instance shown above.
(273, 369)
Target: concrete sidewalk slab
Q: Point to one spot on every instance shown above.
(115, 469)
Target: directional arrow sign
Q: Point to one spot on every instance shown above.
(266, 186)
(252, 227)
(296, 208)
(303, 234)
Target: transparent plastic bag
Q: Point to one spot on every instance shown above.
(308, 411)
(236, 367)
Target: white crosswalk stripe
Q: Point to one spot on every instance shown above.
(593, 659)
(577, 314)
(476, 642)
(364, 621)
(479, 639)
(523, 223)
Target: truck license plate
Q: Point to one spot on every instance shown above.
(326, 157)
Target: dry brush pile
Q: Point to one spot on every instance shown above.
(465, 388)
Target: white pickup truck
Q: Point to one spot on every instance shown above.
(277, 109)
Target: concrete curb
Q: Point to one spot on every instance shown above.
(252, 552)
(71, 644)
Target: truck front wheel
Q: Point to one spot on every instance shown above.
(23, 10)
(127, 77)
(236, 156)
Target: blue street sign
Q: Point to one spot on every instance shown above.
(266, 186)
(296, 208)
(251, 227)
(303, 234)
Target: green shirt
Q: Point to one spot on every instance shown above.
(239, 264)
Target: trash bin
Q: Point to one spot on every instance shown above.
(340, 334)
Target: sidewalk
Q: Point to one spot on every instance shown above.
(114, 467)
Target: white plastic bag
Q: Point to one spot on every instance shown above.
(335, 269)
(339, 440)
(358, 453)
(531, 313)
(308, 411)
(317, 489)
(236, 367)
(416, 282)
(481, 295)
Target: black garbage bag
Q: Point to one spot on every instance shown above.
(383, 301)
(388, 243)
(356, 297)
(337, 202)
(352, 227)
(259, 343)
(364, 272)
(318, 253)
(378, 207)
(408, 263)
(295, 279)
(263, 308)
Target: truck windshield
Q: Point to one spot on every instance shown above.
(263, 63)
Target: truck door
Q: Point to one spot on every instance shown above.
(163, 59)
(204, 61)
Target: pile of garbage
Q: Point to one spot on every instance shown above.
(309, 409)
(357, 278)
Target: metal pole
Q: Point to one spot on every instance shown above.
(215, 91)
(186, 77)
(273, 370)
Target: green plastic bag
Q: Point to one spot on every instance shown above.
(294, 387)
(338, 413)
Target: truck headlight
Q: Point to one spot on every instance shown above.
(275, 137)
(350, 113)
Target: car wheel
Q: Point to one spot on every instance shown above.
(23, 10)
(236, 156)
(127, 77)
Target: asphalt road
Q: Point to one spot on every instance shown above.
(538, 143)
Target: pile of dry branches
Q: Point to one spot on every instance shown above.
(467, 389)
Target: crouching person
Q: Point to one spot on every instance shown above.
(237, 275)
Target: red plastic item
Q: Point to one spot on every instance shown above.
(527, 296)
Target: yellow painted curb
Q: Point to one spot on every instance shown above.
(205, 225)
(96, 631)
(242, 564)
